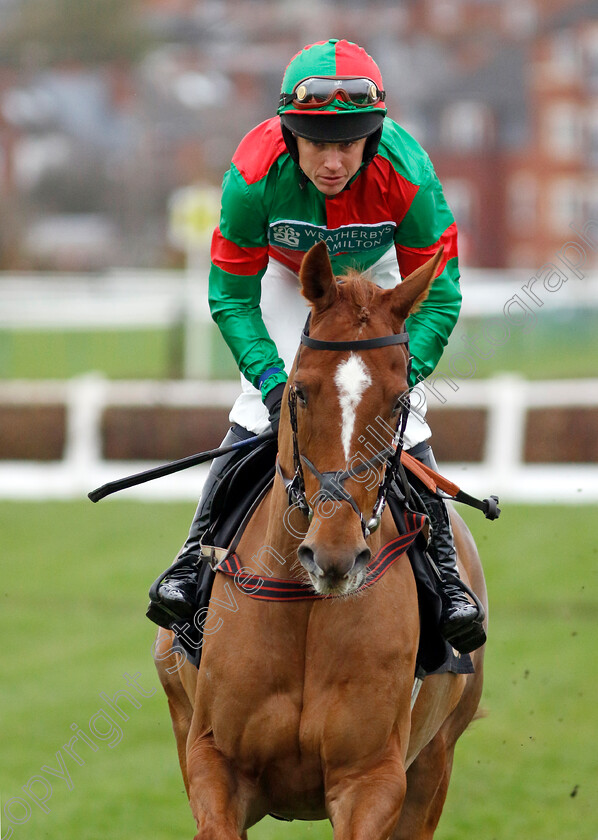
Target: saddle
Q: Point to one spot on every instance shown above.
(237, 497)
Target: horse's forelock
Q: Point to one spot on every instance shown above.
(356, 301)
(359, 294)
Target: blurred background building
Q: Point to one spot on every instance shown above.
(108, 106)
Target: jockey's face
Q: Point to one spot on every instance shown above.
(330, 166)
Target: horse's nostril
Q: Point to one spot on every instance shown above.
(306, 558)
(362, 559)
(335, 567)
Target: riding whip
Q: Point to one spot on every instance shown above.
(174, 466)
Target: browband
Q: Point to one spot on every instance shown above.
(358, 344)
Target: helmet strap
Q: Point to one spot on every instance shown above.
(369, 152)
(290, 142)
(371, 147)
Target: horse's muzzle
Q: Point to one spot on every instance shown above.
(334, 572)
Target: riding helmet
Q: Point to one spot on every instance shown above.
(337, 121)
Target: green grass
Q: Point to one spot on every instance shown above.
(73, 595)
(118, 354)
(123, 354)
(558, 345)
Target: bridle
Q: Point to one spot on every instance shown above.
(332, 483)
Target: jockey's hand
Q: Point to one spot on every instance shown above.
(273, 402)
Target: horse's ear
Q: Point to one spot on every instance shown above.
(317, 280)
(408, 295)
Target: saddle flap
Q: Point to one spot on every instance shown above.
(239, 487)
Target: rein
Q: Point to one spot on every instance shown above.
(332, 483)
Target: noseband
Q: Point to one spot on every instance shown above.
(332, 483)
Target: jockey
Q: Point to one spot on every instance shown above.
(330, 166)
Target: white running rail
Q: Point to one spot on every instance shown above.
(502, 471)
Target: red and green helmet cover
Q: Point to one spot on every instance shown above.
(339, 120)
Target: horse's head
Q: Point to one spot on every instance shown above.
(345, 404)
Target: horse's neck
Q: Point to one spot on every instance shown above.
(281, 533)
(276, 530)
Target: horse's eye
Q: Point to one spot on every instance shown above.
(301, 398)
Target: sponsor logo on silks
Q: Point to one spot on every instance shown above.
(285, 234)
(300, 236)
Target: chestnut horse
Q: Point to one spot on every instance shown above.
(303, 708)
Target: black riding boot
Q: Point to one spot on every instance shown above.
(459, 624)
(172, 595)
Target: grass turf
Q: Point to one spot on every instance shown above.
(158, 354)
(118, 354)
(73, 594)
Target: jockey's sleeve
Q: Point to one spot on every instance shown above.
(426, 226)
(239, 260)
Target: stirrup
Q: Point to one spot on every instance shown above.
(467, 637)
(161, 615)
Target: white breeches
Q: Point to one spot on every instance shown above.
(285, 311)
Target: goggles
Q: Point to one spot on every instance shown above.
(319, 91)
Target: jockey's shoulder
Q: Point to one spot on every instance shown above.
(259, 150)
(406, 156)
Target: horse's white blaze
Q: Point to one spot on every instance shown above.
(351, 379)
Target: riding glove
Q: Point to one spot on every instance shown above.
(273, 402)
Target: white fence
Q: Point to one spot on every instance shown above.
(129, 299)
(502, 470)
